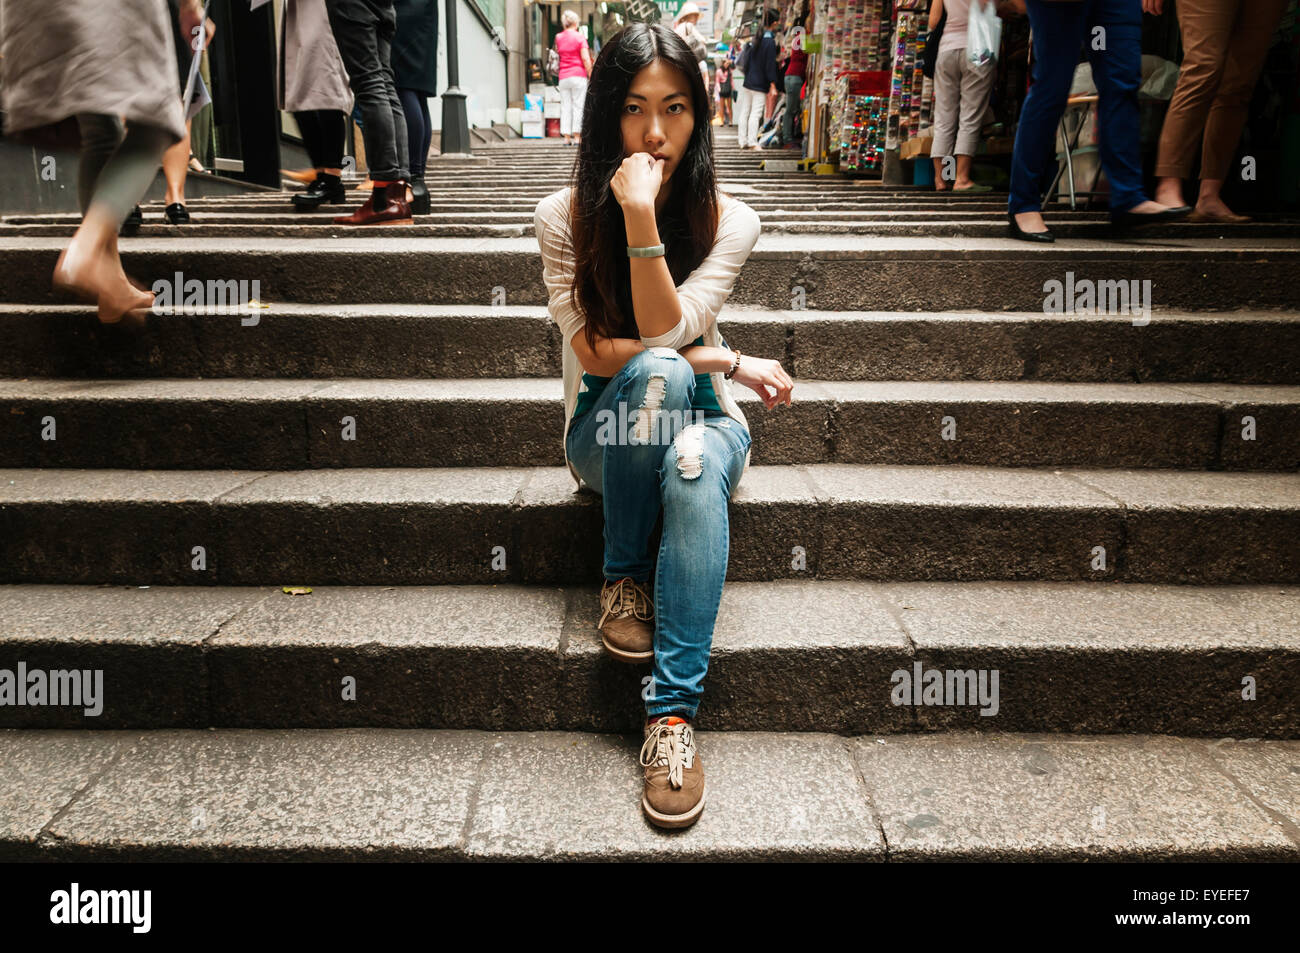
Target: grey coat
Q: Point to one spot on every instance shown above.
(312, 75)
(88, 56)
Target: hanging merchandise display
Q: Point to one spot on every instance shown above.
(862, 141)
(850, 62)
(911, 92)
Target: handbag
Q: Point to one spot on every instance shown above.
(983, 33)
(931, 53)
(553, 61)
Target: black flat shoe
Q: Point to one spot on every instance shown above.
(325, 189)
(1138, 219)
(177, 214)
(1018, 232)
(131, 224)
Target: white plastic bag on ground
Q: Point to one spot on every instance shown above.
(983, 32)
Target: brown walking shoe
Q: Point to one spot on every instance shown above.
(627, 621)
(674, 773)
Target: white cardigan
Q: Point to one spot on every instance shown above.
(701, 295)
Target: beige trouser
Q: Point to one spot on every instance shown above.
(1224, 42)
(961, 94)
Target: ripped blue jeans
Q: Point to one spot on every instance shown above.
(642, 466)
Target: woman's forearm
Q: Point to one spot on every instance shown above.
(609, 355)
(654, 296)
(707, 360)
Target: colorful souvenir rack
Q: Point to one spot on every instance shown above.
(862, 136)
(856, 36)
(910, 92)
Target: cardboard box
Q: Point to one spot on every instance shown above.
(916, 148)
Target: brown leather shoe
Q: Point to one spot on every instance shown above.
(626, 623)
(395, 211)
(674, 774)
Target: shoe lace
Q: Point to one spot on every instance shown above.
(670, 745)
(625, 598)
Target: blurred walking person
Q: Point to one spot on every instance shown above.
(92, 63)
(176, 160)
(1224, 43)
(1058, 28)
(314, 87)
(758, 84)
(415, 72)
(725, 74)
(364, 30)
(961, 96)
(575, 67)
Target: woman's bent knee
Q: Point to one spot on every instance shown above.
(667, 375)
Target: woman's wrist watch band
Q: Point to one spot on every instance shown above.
(650, 251)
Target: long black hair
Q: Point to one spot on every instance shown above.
(688, 224)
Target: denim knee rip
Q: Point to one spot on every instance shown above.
(689, 445)
(655, 386)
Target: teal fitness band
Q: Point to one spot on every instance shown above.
(650, 251)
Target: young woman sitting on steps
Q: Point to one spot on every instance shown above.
(639, 256)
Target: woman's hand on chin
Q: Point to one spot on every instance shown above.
(636, 183)
(766, 378)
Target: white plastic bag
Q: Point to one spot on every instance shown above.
(983, 32)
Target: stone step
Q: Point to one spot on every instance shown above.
(831, 272)
(981, 227)
(484, 525)
(422, 341)
(295, 424)
(772, 796)
(1069, 657)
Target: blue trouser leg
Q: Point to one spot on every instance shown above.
(695, 482)
(1057, 33)
(619, 464)
(1117, 73)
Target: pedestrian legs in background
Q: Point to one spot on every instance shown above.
(793, 84)
(175, 167)
(1224, 44)
(419, 135)
(573, 94)
(114, 174)
(323, 134)
(1058, 32)
(749, 116)
(363, 31)
(1117, 73)
(961, 92)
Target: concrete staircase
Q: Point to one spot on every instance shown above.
(1099, 533)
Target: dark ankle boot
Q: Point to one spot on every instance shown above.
(133, 222)
(324, 189)
(419, 196)
(386, 206)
